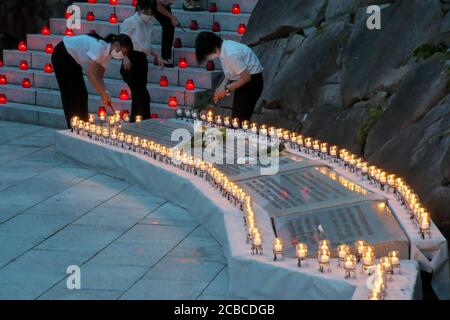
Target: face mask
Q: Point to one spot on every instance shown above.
(212, 56)
(117, 55)
(145, 17)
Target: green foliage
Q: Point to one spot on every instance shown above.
(375, 113)
(427, 50)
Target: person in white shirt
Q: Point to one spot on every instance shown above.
(91, 53)
(134, 70)
(242, 69)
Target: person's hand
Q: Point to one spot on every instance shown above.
(219, 95)
(174, 21)
(160, 61)
(106, 99)
(126, 64)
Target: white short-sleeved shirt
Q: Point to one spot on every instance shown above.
(84, 48)
(139, 31)
(236, 57)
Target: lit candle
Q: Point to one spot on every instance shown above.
(226, 121)
(272, 131)
(74, 122)
(209, 116)
(254, 128)
(302, 250)
(235, 123)
(219, 120)
(91, 118)
(324, 245)
(333, 151)
(263, 130)
(324, 256)
(350, 262)
(278, 246)
(343, 251)
(138, 119)
(111, 120)
(245, 125)
(394, 256)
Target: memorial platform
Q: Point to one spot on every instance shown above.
(310, 199)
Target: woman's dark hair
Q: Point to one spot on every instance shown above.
(123, 39)
(147, 4)
(205, 44)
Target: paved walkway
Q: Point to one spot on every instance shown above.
(128, 243)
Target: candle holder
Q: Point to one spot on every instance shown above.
(343, 251)
(236, 124)
(350, 266)
(98, 133)
(333, 152)
(74, 123)
(324, 244)
(386, 264)
(194, 114)
(128, 142)
(424, 226)
(368, 260)
(257, 248)
(92, 129)
(375, 294)
(188, 113)
(179, 114)
(394, 256)
(113, 137)
(301, 253)
(277, 250)
(324, 261)
(308, 145)
(121, 139)
(219, 121)
(245, 125)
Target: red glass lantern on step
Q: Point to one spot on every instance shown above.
(68, 32)
(3, 80)
(210, 66)
(22, 46)
(154, 116)
(45, 31)
(194, 25)
(90, 16)
(113, 18)
(173, 102)
(177, 43)
(242, 28)
(3, 99)
(49, 48)
(92, 1)
(215, 27)
(134, 3)
(125, 114)
(182, 63)
(48, 68)
(163, 81)
(212, 7)
(26, 83)
(236, 8)
(190, 85)
(23, 65)
(1, 63)
(114, 2)
(124, 95)
(101, 112)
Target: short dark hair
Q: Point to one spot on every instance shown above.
(205, 44)
(123, 39)
(147, 4)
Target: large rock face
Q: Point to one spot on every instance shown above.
(370, 91)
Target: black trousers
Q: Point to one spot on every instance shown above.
(168, 34)
(136, 78)
(69, 75)
(245, 98)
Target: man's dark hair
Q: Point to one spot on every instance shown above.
(123, 39)
(205, 44)
(147, 4)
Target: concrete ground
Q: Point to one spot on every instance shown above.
(128, 243)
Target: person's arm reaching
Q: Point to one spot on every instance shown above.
(244, 78)
(95, 74)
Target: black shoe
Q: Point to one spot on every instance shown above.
(169, 65)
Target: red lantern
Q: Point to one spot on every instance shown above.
(26, 83)
(90, 16)
(123, 95)
(242, 28)
(215, 27)
(3, 79)
(177, 43)
(124, 114)
(1, 63)
(182, 63)
(173, 102)
(3, 99)
(190, 84)
(45, 31)
(114, 2)
(69, 32)
(210, 66)
(236, 9)
(22, 46)
(134, 3)
(113, 18)
(212, 7)
(154, 116)
(101, 112)
(163, 81)
(194, 25)
(49, 48)
(48, 68)
(23, 65)
(92, 1)
(67, 15)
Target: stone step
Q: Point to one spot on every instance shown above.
(247, 6)
(103, 28)
(38, 115)
(205, 19)
(203, 79)
(40, 79)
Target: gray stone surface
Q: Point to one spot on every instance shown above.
(128, 243)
